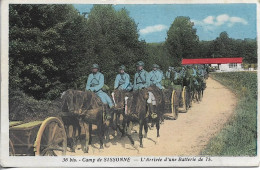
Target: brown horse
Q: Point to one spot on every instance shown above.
(136, 112)
(159, 108)
(119, 100)
(87, 107)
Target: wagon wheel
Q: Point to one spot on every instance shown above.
(185, 99)
(11, 148)
(51, 138)
(174, 105)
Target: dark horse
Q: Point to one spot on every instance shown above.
(199, 88)
(119, 98)
(136, 112)
(87, 107)
(158, 108)
(134, 108)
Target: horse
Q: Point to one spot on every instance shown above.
(199, 88)
(87, 107)
(119, 97)
(136, 112)
(159, 107)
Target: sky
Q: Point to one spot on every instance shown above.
(154, 20)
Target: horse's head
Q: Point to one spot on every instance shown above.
(119, 98)
(73, 101)
(143, 93)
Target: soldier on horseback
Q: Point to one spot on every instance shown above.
(95, 83)
(141, 79)
(156, 76)
(122, 81)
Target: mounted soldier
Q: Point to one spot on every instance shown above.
(95, 83)
(122, 81)
(168, 72)
(141, 79)
(156, 76)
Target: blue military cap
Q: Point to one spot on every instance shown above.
(122, 67)
(140, 63)
(155, 66)
(95, 66)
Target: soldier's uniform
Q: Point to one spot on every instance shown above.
(141, 79)
(168, 73)
(156, 77)
(95, 83)
(122, 81)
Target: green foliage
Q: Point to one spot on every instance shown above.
(45, 48)
(239, 136)
(223, 46)
(158, 54)
(113, 38)
(52, 47)
(182, 40)
(25, 108)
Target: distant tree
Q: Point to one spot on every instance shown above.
(222, 45)
(182, 40)
(158, 54)
(113, 41)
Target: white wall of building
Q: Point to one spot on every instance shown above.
(228, 67)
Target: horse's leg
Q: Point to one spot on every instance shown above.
(158, 126)
(141, 123)
(128, 131)
(101, 128)
(145, 127)
(85, 147)
(66, 127)
(90, 132)
(74, 143)
(123, 131)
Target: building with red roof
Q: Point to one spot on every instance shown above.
(221, 64)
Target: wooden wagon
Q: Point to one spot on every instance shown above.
(37, 138)
(175, 100)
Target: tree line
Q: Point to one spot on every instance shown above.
(52, 47)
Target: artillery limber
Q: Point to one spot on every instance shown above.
(177, 95)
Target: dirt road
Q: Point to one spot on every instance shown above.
(187, 135)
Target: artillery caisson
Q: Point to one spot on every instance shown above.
(37, 138)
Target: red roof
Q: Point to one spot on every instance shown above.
(212, 61)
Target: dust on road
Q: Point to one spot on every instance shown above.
(187, 135)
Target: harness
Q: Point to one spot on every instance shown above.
(92, 84)
(122, 80)
(154, 75)
(142, 80)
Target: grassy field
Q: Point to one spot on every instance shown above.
(239, 136)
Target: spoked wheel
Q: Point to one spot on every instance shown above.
(174, 105)
(51, 138)
(185, 99)
(11, 148)
(191, 98)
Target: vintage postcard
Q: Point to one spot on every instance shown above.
(129, 83)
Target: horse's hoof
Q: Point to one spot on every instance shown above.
(101, 147)
(141, 146)
(85, 150)
(107, 145)
(145, 135)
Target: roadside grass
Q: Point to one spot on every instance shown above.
(239, 136)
